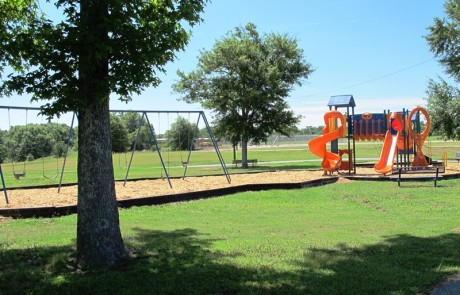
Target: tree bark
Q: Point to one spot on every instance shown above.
(244, 154)
(99, 240)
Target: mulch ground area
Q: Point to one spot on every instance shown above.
(49, 197)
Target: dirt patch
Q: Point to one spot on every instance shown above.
(5, 219)
(46, 197)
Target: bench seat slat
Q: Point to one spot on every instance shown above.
(252, 161)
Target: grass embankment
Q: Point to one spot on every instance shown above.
(346, 238)
(202, 162)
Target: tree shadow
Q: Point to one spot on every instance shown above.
(184, 262)
(401, 264)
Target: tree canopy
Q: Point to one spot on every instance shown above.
(444, 99)
(179, 137)
(97, 50)
(444, 39)
(444, 107)
(120, 140)
(140, 38)
(245, 79)
(131, 121)
(35, 141)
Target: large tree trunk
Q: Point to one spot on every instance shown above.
(244, 154)
(99, 240)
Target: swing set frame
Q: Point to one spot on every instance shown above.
(144, 113)
(201, 114)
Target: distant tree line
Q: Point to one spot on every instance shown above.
(310, 130)
(34, 141)
(125, 127)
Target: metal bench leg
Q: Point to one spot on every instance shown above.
(436, 178)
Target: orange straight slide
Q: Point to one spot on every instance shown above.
(387, 156)
(317, 145)
(390, 144)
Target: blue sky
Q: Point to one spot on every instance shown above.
(372, 49)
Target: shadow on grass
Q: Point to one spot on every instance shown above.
(182, 262)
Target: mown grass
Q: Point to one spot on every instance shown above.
(203, 162)
(346, 238)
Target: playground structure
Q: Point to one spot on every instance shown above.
(400, 132)
(144, 118)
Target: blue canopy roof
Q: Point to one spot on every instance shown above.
(341, 101)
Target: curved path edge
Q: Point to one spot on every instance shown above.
(53, 211)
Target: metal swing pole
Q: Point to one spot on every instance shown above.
(69, 141)
(144, 114)
(159, 132)
(3, 184)
(158, 150)
(216, 148)
(192, 142)
(134, 147)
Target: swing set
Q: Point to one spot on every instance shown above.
(185, 163)
(19, 175)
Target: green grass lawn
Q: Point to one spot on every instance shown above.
(203, 162)
(345, 238)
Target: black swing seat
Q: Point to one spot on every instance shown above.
(184, 164)
(18, 176)
(51, 178)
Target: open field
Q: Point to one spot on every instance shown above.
(347, 238)
(281, 164)
(204, 162)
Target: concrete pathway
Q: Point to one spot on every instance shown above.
(449, 287)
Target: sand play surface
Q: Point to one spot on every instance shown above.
(46, 197)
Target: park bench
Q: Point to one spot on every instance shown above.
(421, 173)
(252, 161)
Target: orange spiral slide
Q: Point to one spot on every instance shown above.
(317, 145)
